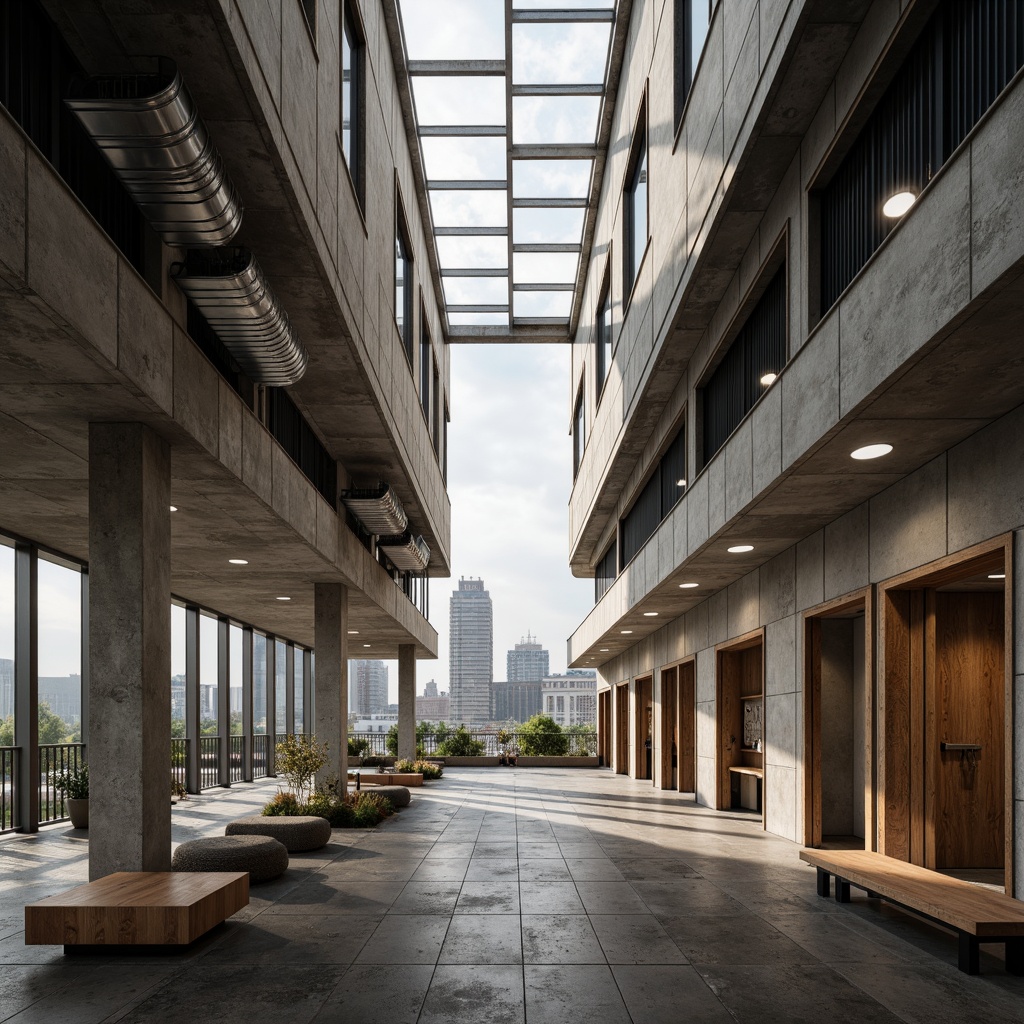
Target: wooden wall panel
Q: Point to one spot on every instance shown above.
(688, 728)
(894, 801)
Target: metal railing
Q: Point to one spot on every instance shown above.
(236, 764)
(576, 744)
(179, 760)
(54, 758)
(209, 762)
(8, 782)
(262, 756)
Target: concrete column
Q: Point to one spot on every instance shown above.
(129, 649)
(331, 684)
(407, 701)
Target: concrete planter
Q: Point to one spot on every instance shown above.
(78, 811)
(480, 761)
(557, 762)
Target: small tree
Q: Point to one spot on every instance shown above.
(582, 739)
(542, 736)
(460, 744)
(299, 758)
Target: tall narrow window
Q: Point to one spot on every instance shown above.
(603, 337)
(444, 443)
(352, 96)
(635, 209)
(579, 437)
(435, 407)
(426, 366)
(403, 282)
(692, 20)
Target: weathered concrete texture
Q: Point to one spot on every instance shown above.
(331, 679)
(129, 649)
(407, 701)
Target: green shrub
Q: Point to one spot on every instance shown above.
(334, 808)
(284, 803)
(404, 765)
(356, 748)
(373, 761)
(73, 782)
(428, 769)
(369, 809)
(542, 736)
(461, 744)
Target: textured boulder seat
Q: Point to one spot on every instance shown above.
(398, 795)
(298, 833)
(136, 908)
(977, 915)
(263, 857)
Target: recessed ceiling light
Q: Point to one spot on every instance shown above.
(284, 599)
(174, 508)
(997, 575)
(898, 204)
(680, 483)
(739, 549)
(353, 632)
(625, 632)
(238, 561)
(650, 615)
(604, 650)
(688, 586)
(769, 378)
(366, 645)
(871, 451)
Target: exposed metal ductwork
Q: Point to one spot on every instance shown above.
(147, 127)
(229, 289)
(406, 552)
(377, 508)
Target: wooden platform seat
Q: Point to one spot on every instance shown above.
(263, 857)
(297, 833)
(390, 779)
(137, 908)
(398, 795)
(976, 914)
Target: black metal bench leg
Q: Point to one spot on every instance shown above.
(969, 958)
(842, 891)
(1015, 956)
(824, 883)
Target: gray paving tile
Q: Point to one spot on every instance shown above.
(669, 869)
(295, 939)
(635, 939)
(539, 849)
(318, 896)
(405, 939)
(593, 869)
(358, 996)
(610, 898)
(550, 898)
(669, 994)
(560, 939)
(747, 939)
(543, 869)
(482, 939)
(428, 897)
(488, 898)
(581, 994)
(687, 896)
(441, 870)
(491, 869)
(462, 994)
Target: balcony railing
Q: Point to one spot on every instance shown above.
(209, 762)
(236, 768)
(179, 760)
(54, 758)
(8, 782)
(579, 744)
(262, 756)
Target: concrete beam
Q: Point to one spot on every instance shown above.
(407, 701)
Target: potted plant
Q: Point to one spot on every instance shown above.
(72, 782)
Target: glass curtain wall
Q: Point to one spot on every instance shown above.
(280, 682)
(259, 683)
(298, 727)
(235, 678)
(59, 653)
(6, 645)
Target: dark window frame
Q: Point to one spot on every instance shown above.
(426, 365)
(309, 16)
(403, 254)
(636, 176)
(684, 66)
(603, 345)
(579, 429)
(355, 38)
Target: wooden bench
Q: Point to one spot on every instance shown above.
(976, 914)
(136, 908)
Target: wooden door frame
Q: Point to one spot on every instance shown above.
(604, 702)
(669, 723)
(968, 561)
(639, 725)
(621, 764)
(864, 599)
(723, 783)
(686, 726)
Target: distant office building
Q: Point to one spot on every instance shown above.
(367, 687)
(207, 700)
(432, 706)
(516, 701)
(571, 699)
(374, 723)
(527, 662)
(177, 698)
(471, 653)
(6, 688)
(63, 694)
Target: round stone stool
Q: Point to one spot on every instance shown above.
(263, 857)
(298, 833)
(398, 795)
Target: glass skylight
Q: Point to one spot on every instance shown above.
(508, 150)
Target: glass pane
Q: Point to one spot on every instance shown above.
(478, 251)
(459, 208)
(464, 159)
(476, 291)
(554, 304)
(347, 90)
(59, 652)
(235, 665)
(459, 100)
(560, 119)
(208, 675)
(401, 269)
(639, 215)
(554, 179)
(478, 319)
(553, 54)
(547, 225)
(298, 690)
(699, 20)
(259, 683)
(177, 671)
(6, 645)
(545, 267)
(454, 29)
(280, 682)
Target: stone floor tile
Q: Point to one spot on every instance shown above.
(687, 896)
(474, 994)
(538, 849)
(653, 870)
(550, 898)
(482, 939)
(669, 994)
(543, 869)
(491, 869)
(634, 939)
(488, 898)
(444, 850)
(405, 939)
(584, 994)
(453, 870)
(358, 996)
(610, 898)
(593, 869)
(428, 897)
(560, 939)
(747, 939)
(295, 939)
(318, 896)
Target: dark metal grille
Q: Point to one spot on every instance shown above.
(297, 438)
(606, 571)
(759, 349)
(8, 789)
(55, 758)
(209, 762)
(179, 760)
(966, 55)
(262, 756)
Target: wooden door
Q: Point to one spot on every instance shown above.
(622, 729)
(687, 728)
(644, 740)
(669, 727)
(968, 709)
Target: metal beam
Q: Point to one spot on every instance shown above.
(589, 89)
(481, 307)
(546, 247)
(465, 131)
(550, 204)
(456, 67)
(475, 272)
(544, 287)
(542, 321)
(580, 14)
(466, 185)
(470, 232)
(555, 151)
(520, 334)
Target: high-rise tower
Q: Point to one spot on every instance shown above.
(472, 653)
(528, 662)
(367, 687)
